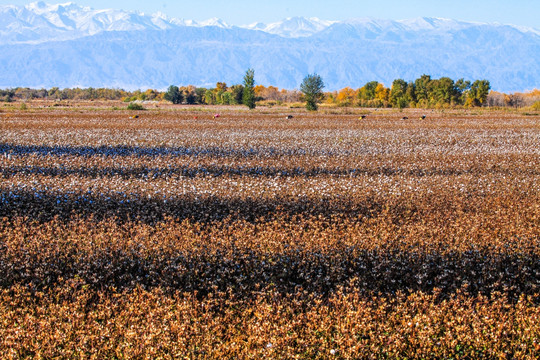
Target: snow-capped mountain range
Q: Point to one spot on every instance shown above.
(40, 22)
(67, 45)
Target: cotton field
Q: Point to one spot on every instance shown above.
(181, 235)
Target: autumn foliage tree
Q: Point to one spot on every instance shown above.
(346, 96)
(382, 94)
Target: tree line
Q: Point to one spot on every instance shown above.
(424, 92)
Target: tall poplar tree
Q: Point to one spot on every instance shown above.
(248, 97)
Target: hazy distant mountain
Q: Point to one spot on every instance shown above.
(68, 45)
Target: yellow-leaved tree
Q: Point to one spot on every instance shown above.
(382, 94)
(346, 96)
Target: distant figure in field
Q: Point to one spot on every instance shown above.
(216, 116)
(404, 118)
(362, 117)
(289, 117)
(423, 117)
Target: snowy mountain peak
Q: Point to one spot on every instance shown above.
(255, 26)
(215, 22)
(41, 7)
(293, 27)
(160, 15)
(428, 23)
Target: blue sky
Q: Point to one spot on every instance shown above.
(240, 12)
